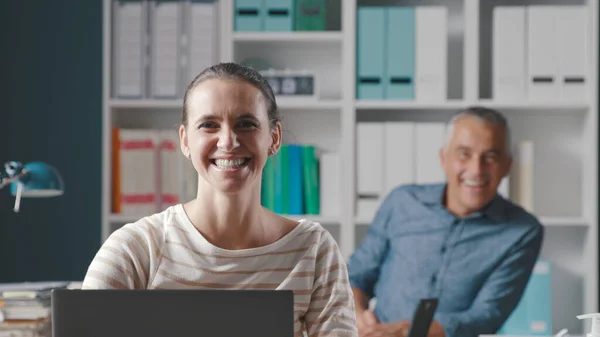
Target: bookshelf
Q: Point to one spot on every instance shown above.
(565, 132)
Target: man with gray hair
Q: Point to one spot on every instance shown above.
(458, 241)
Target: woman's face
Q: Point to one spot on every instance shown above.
(228, 135)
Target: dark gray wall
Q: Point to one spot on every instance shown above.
(50, 103)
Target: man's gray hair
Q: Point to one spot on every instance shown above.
(486, 115)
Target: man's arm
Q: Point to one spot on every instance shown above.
(361, 300)
(500, 294)
(364, 264)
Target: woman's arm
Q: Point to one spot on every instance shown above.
(126, 259)
(331, 309)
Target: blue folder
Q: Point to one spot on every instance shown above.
(533, 314)
(400, 60)
(248, 15)
(370, 52)
(279, 15)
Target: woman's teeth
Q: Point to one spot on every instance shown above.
(230, 163)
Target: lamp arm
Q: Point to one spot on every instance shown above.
(6, 180)
(13, 170)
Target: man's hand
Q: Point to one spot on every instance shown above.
(386, 330)
(369, 326)
(364, 320)
(436, 330)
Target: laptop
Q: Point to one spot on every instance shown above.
(172, 313)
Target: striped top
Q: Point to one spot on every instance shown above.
(166, 251)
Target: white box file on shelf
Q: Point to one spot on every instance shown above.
(509, 53)
(130, 40)
(166, 24)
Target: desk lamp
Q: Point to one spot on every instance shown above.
(32, 180)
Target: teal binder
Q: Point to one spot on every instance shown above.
(279, 15)
(370, 52)
(248, 15)
(533, 314)
(400, 60)
(310, 15)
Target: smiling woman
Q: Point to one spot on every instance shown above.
(224, 238)
(230, 126)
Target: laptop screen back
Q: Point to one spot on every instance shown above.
(172, 313)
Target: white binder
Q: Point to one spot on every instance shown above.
(370, 167)
(525, 175)
(430, 138)
(431, 53)
(399, 155)
(370, 158)
(504, 187)
(130, 59)
(330, 189)
(509, 53)
(165, 32)
(201, 28)
(573, 52)
(543, 78)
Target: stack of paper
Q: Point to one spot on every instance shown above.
(25, 308)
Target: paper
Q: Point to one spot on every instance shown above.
(32, 286)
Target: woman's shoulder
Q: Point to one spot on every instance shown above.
(316, 230)
(324, 250)
(312, 235)
(302, 228)
(152, 226)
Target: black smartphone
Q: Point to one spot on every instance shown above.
(422, 318)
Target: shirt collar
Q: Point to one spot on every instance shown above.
(433, 195)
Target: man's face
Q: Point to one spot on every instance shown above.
(474, 160)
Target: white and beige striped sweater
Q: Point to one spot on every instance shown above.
(165, 251)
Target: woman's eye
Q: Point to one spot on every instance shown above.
(208, 125)
(247, 125)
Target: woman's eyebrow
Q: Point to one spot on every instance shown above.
(247, 116)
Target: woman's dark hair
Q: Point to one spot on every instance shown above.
(237, 72)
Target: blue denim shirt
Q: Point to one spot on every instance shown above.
(477, 266)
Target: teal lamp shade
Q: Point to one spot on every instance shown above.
(41, 180)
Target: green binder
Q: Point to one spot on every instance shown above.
(310, 179)
(310, 15)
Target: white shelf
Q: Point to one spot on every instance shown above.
(566, 178)
(362, 220)
(288, 37)
(308, 104)
(120, 218)
(546, 221)
(170, 104)
(146, 103)
(408, 105)
(453, 105)
(565, 107)
(564, 221)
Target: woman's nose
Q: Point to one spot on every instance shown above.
(227, 139)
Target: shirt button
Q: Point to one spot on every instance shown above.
(433, 279)
(443, 249)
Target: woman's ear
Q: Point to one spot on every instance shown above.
(276, 138)
(183, 142)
